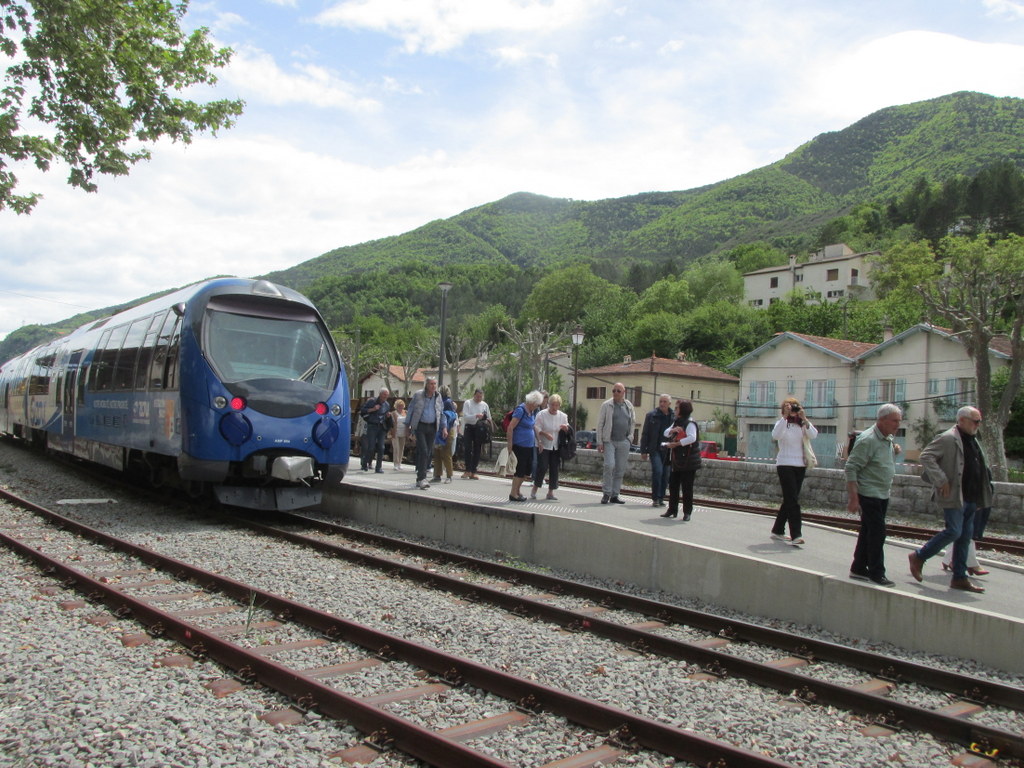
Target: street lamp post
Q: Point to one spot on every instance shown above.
(445, 287)
(577, 339)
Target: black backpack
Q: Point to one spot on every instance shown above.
(567, 444)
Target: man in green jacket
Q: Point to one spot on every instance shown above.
(869, 473)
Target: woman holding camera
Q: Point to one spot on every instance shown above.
(789, 432)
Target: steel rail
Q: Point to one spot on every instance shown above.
(414, 740)
(715, 662)
(889, 668)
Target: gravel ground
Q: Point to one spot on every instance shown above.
(74, 696)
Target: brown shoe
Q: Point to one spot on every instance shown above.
(966, 585)
(915, 565)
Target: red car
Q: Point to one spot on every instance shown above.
(709, 450)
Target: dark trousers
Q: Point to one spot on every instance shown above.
(791, 479)
(681, 478)
(375, 434)
(424, 447)
(547, 464)
(473, 442)
(869, 556)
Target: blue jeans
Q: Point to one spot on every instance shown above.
(959, 530)
(660, 472)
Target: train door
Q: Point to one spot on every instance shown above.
(68, 394)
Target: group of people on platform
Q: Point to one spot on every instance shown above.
(539, 438)
(953, 464)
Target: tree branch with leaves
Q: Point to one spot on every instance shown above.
(96, 80)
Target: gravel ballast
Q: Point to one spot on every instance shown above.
(73, 695)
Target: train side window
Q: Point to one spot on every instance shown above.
(161, 373)
(146, 351)
(39, 379)
(124, 369)
(108, 358)
(96, 365)
(172, 356)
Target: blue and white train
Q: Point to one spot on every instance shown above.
(232, 385)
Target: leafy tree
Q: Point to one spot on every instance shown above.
(670, 294)
(977, 289)
(754, 256)
(714, 279)
(719, 332)
(562, 296)
(659, 333)
(100, 76)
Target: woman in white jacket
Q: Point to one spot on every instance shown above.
(789, 433)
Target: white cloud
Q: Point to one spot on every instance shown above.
(436, 26)
(1005, 8)
(902, 68)
(257, 75)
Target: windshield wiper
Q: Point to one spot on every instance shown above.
(316, 366)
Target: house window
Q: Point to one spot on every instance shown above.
(634, 395)
(773, 299)
(854, 275)
(695, 394)
(836, 294)
(833, 274)
(800, 277)
(887, 390)
(756, 302)
(774, 282)
(933, 386)
(596, 393)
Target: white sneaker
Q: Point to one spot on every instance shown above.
(423, 484)
(777, 537)
(446, 480)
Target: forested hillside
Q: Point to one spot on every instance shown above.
(660, 271)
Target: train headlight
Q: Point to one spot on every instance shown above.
(220, 402)
(321, 409)
(238, 403)
(335, 410)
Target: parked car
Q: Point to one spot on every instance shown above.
(709, 450)
(586, 438)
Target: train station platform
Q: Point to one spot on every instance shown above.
(722, 557)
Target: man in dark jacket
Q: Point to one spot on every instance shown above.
(651, 438)
(374, 413)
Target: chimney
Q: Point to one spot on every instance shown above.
(627, 359)
(681, 357)
(886, 329)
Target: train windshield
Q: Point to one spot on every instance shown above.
(280, 344)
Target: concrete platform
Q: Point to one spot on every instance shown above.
(722, 557)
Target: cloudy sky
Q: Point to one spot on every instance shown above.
(368, 118)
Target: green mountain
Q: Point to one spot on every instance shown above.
(785, 203)
(873, 159)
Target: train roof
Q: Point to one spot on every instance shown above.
(186, 295)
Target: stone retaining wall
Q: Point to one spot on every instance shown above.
(822, 489)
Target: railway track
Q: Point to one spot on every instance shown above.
(641, 626)
(148, 588)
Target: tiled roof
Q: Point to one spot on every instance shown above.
(844, 347)
(662, 366)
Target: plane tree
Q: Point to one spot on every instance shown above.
(975, 287)
(92, 85)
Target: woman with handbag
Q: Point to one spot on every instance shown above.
(683, 442)
(793, 432)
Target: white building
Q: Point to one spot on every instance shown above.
(925, 370)
(835, 272)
